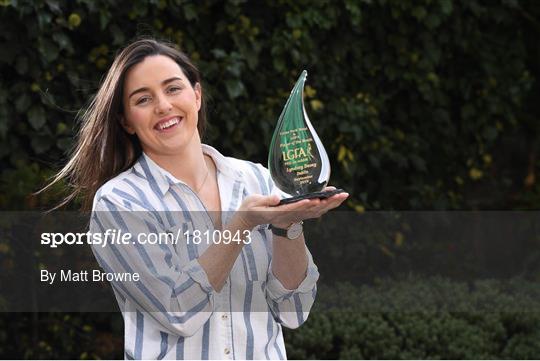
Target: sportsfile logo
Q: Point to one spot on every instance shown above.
(119, 237)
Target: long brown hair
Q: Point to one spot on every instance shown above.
(103, 148)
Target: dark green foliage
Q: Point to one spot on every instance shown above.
(413, 318)
(420, 318)
(421, 104)
(61, 336)
(411, 98)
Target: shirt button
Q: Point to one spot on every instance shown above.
(224, 317)
(227, 351)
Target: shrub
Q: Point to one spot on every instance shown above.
(421, 318)
(410, 97)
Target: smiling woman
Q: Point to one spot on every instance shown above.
(150, 89)
(103, 149)
(139, 161)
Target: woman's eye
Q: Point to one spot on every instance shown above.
(142, 100)
(174, 89)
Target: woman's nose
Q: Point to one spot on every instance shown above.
(163, 106)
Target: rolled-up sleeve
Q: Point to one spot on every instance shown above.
(179, 296)
(291, 307)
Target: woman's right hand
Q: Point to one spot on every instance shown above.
(258, 209)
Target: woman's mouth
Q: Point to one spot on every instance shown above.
(168, 124)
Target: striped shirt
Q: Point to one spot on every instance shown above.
(173, 312)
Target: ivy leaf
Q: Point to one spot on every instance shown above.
(44, 19)
(22, 103)
(64, 143)
(419, 12)
(219, 53)
(190, 12)
(36, 117)
(63, 40)
(446, 6)
(118, 35)
(418, 162)
(235, 88)
(433, 21)
(41, 143)
(22, 65)
(490, 133)
(54, 6)
(235, 68)
(104, 18)
(48, 50)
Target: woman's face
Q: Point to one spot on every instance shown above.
(160, 106)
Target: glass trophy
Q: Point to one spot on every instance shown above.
(297, 161)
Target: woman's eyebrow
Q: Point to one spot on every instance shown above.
(164, 82)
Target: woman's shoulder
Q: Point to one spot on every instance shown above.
(251, 172)
(256, 176)
(116, 187)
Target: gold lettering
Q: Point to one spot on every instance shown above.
(294, 153)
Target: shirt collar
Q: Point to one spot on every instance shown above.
(161, 180)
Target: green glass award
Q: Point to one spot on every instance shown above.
(297, 161)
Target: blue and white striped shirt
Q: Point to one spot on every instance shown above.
(173, 312)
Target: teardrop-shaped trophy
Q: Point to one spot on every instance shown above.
(297, 161)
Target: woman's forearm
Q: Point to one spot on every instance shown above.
(289, 261)
(218, 259)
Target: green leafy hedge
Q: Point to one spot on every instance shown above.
(410, 97)
(420, 103)
(419, 318)
(387, 320)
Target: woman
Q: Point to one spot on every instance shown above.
(141, 164)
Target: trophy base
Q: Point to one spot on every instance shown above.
(320, 195)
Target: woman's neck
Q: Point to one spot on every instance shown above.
(188, 166)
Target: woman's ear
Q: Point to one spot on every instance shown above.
(123, 122)
(198, 95)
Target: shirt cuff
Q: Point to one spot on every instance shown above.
(278, 292)
(198, 274)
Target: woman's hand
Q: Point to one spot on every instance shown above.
(258, 209)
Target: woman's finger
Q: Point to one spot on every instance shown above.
(331, 203)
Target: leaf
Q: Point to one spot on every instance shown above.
(418, 162)
(190, 12)
(490, 133)
(54, 6)
(118, 35)
(219, 53)
(41, 143)
(64, 143)
(48, 50)
(22, 103)
(235, 68)
(22, 65)
(104, 18)
(36, 117)
(235, 88)
(63, 40)
(433, 21)
(446, 6)
(419, 12)
(44, 19)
